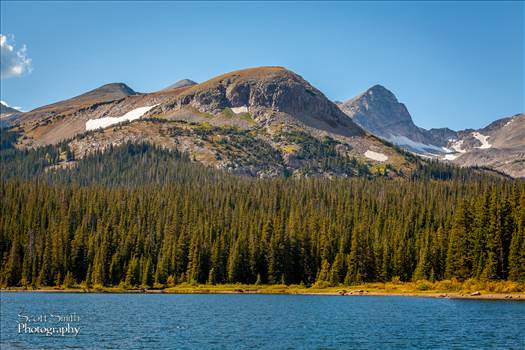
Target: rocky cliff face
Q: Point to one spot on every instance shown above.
(442, 135)
(266, 93)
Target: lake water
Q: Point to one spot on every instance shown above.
(149, 321)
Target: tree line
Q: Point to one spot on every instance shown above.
(140, 216)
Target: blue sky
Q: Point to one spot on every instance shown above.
(453, 64)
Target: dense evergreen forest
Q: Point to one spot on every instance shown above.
(141, 216)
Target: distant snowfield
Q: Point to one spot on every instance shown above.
(241, 109)
(458, 147)
(483, 139)
(137, 113)
(426, 156)
(380, 157)
(420, 147)
(14, 107)
(451, 156)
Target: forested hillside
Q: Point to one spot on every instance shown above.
(141, 216)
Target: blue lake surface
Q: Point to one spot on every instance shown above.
(162, 321)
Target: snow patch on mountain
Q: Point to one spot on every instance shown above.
(241, 109)
(5, 104)
(456, 150)
(137, 113)
(418, 146)
(451, 156)
(380, 157)
(483, 139)
(457, 146)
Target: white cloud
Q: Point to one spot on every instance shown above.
(13, 62)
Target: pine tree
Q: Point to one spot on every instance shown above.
(424, 265)
(490, 270)
(355, 258)
(68, 281)
(458, 261)
(517, 246)
(324, 272)
(337, 270)
(132, 275)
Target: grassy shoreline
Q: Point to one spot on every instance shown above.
(499, 290)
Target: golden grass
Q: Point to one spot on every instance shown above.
(422, 287)
(290, 149)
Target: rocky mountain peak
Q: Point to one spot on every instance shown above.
(383, 102)
(380, 94)
(109, 91)
(181, 83)
(378, 111)
(103, 94)
(267, 92)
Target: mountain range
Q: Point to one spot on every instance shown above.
(269, 121)
(500, 145)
